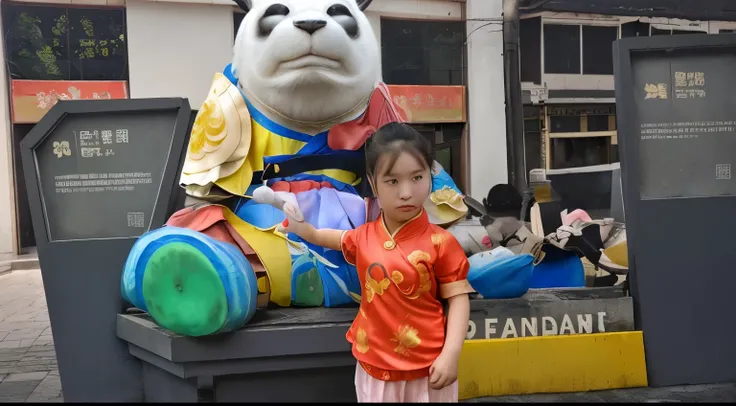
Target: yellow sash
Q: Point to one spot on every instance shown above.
(273, 253)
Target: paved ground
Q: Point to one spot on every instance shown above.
(28, 370)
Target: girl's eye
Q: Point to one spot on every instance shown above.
(392, 181)
(418, 178)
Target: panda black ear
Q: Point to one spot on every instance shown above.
(246, 4)
(363, 4)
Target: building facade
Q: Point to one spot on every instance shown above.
(441, 58)
(567, 82)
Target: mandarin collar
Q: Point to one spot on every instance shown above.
(412, 228)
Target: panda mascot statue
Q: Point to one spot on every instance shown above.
(289, 115)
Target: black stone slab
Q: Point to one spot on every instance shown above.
(99, 174)
(676, 117)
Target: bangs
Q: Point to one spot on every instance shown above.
(388, 159)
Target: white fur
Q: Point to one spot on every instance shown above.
(309, 94)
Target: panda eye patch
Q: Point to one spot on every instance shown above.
(276, 10)
(275, 14)
(342, 16)
(338, 10)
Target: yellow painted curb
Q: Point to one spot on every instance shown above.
(552, 364)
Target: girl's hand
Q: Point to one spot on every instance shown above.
(292, 223)
(443, 371)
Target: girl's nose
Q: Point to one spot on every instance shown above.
(405, 192)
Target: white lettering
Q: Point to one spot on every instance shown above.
(566, 326)
(585, 325)
(509, 329)
(552, 330)
(490, 328)
(531, 327)
(601, 327)
(471, 330)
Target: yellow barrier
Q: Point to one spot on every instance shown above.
(552, 364)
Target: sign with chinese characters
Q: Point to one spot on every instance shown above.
(686, 125)
(33, 98)
(100, 174)
(430, 104)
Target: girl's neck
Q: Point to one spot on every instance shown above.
(391, 225)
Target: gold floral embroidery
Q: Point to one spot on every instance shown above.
(361, 341)
(420, 260)
(437, 239)
(407, 337)
(386, 376)
(397, 277)
(362, 313)
(373, 287)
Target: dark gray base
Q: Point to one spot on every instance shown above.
(289, 355)
(315, 385)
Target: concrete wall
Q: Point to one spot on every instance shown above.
(174, 49)
(8, 240)
(486, 104)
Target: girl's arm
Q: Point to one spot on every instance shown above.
(443, 371)
(324, 237)
(458, 316)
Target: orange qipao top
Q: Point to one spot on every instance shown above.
(400, 328)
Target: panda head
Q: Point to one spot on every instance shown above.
(310, 61)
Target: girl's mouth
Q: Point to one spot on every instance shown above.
(406, 208)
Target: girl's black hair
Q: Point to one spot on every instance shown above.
(391, 140)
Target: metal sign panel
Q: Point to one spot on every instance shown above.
(99, 174)
(677, 142)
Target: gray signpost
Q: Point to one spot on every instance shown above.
(676, 108)
(99, 174)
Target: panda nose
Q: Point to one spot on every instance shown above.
(310, 26)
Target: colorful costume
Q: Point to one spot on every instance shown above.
(235, 148)
(400, 329)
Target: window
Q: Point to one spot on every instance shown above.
(575, 152)
(423, 52)
(530, 49)
(598, 49)
(599, 123)
(562, 49)
(657, 31)
(564, 124)
(532, 138)
(57, 43)
(445, 140)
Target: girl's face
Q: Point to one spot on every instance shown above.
(402, 190)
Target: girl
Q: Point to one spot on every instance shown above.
(407, 349)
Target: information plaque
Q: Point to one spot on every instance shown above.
(687, 123)
(99, 174)
(676, 116)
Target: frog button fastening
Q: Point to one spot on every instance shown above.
(389, 245)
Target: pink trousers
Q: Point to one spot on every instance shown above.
(372, 390)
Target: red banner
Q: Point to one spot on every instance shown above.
(430, 104)
(33, 98)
